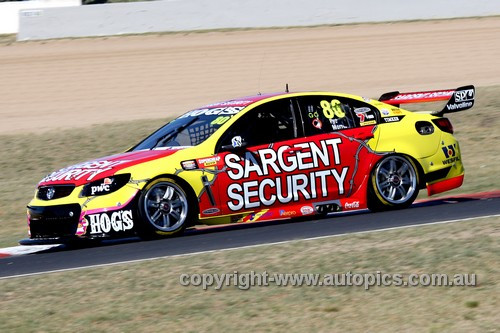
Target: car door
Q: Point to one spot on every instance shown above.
(349, 123)
(276, 165)
(248, 153)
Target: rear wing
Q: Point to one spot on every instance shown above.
(458, 99)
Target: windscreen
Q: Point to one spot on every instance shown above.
(190, 129)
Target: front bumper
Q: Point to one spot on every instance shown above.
(73, 218)
(51, 222)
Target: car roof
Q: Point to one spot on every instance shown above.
(242, 101)
(248, 100)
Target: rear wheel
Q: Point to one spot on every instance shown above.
(394, 183)
(165, 208)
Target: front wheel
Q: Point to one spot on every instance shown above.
(394, 183)
(165, 208)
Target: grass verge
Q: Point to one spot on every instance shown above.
(148, 297)
(27, 158)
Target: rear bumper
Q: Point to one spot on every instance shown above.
(445, 185)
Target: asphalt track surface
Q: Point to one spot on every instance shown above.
(234, 236)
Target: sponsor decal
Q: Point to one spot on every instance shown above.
(397, 111)
(450, 153)
(189, 165)
(231, 103)
(385, 112)
(464, 95)
(317, 123)
(231, 110)
(463, 105)
(258, 215)
(311, 113)
(210, 211)
(392, 119)
(286, 213)
(120, 220)
(288, 185)
(306, 210)
(351, 205)
(88, 169)
(104, 187)
(209, 161)
(82, 227)
(237, 141)
(337, 127)
(370, 122)
(425, 95)
(363, 114)
(364, 110)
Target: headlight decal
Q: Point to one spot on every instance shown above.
(105, 186)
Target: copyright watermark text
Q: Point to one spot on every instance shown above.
(245, 281)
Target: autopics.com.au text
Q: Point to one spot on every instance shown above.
(245, 281)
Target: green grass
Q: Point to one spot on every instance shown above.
(147, 296)
(27, 158)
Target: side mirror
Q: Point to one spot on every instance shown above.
(237, 143)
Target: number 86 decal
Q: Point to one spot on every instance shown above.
(332, 109)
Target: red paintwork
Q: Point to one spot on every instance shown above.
(420, 97)
(229, 191)
(243, 101)
(445, 185)
(83, 173)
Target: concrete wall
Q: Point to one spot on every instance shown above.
(9, 11)
(184, 15)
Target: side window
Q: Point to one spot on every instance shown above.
(268, 123)
(325, 114)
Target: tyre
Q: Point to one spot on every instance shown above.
(393, 183)
(165, 209)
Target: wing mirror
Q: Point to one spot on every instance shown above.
(237, 143)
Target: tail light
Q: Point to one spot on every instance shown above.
(444, 124)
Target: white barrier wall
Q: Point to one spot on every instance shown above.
(9, 11)
(185, 15)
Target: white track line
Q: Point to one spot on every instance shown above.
(250, 246)
(25, 249)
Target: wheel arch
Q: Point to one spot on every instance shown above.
(420, 170)
(420, 177)
(185, 186)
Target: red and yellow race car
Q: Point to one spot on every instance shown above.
(264, 157)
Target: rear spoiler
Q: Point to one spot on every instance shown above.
(458, 99)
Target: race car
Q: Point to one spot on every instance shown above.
(263, 157)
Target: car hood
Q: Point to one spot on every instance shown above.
(82, 173)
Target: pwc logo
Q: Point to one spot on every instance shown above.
(104, 187)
